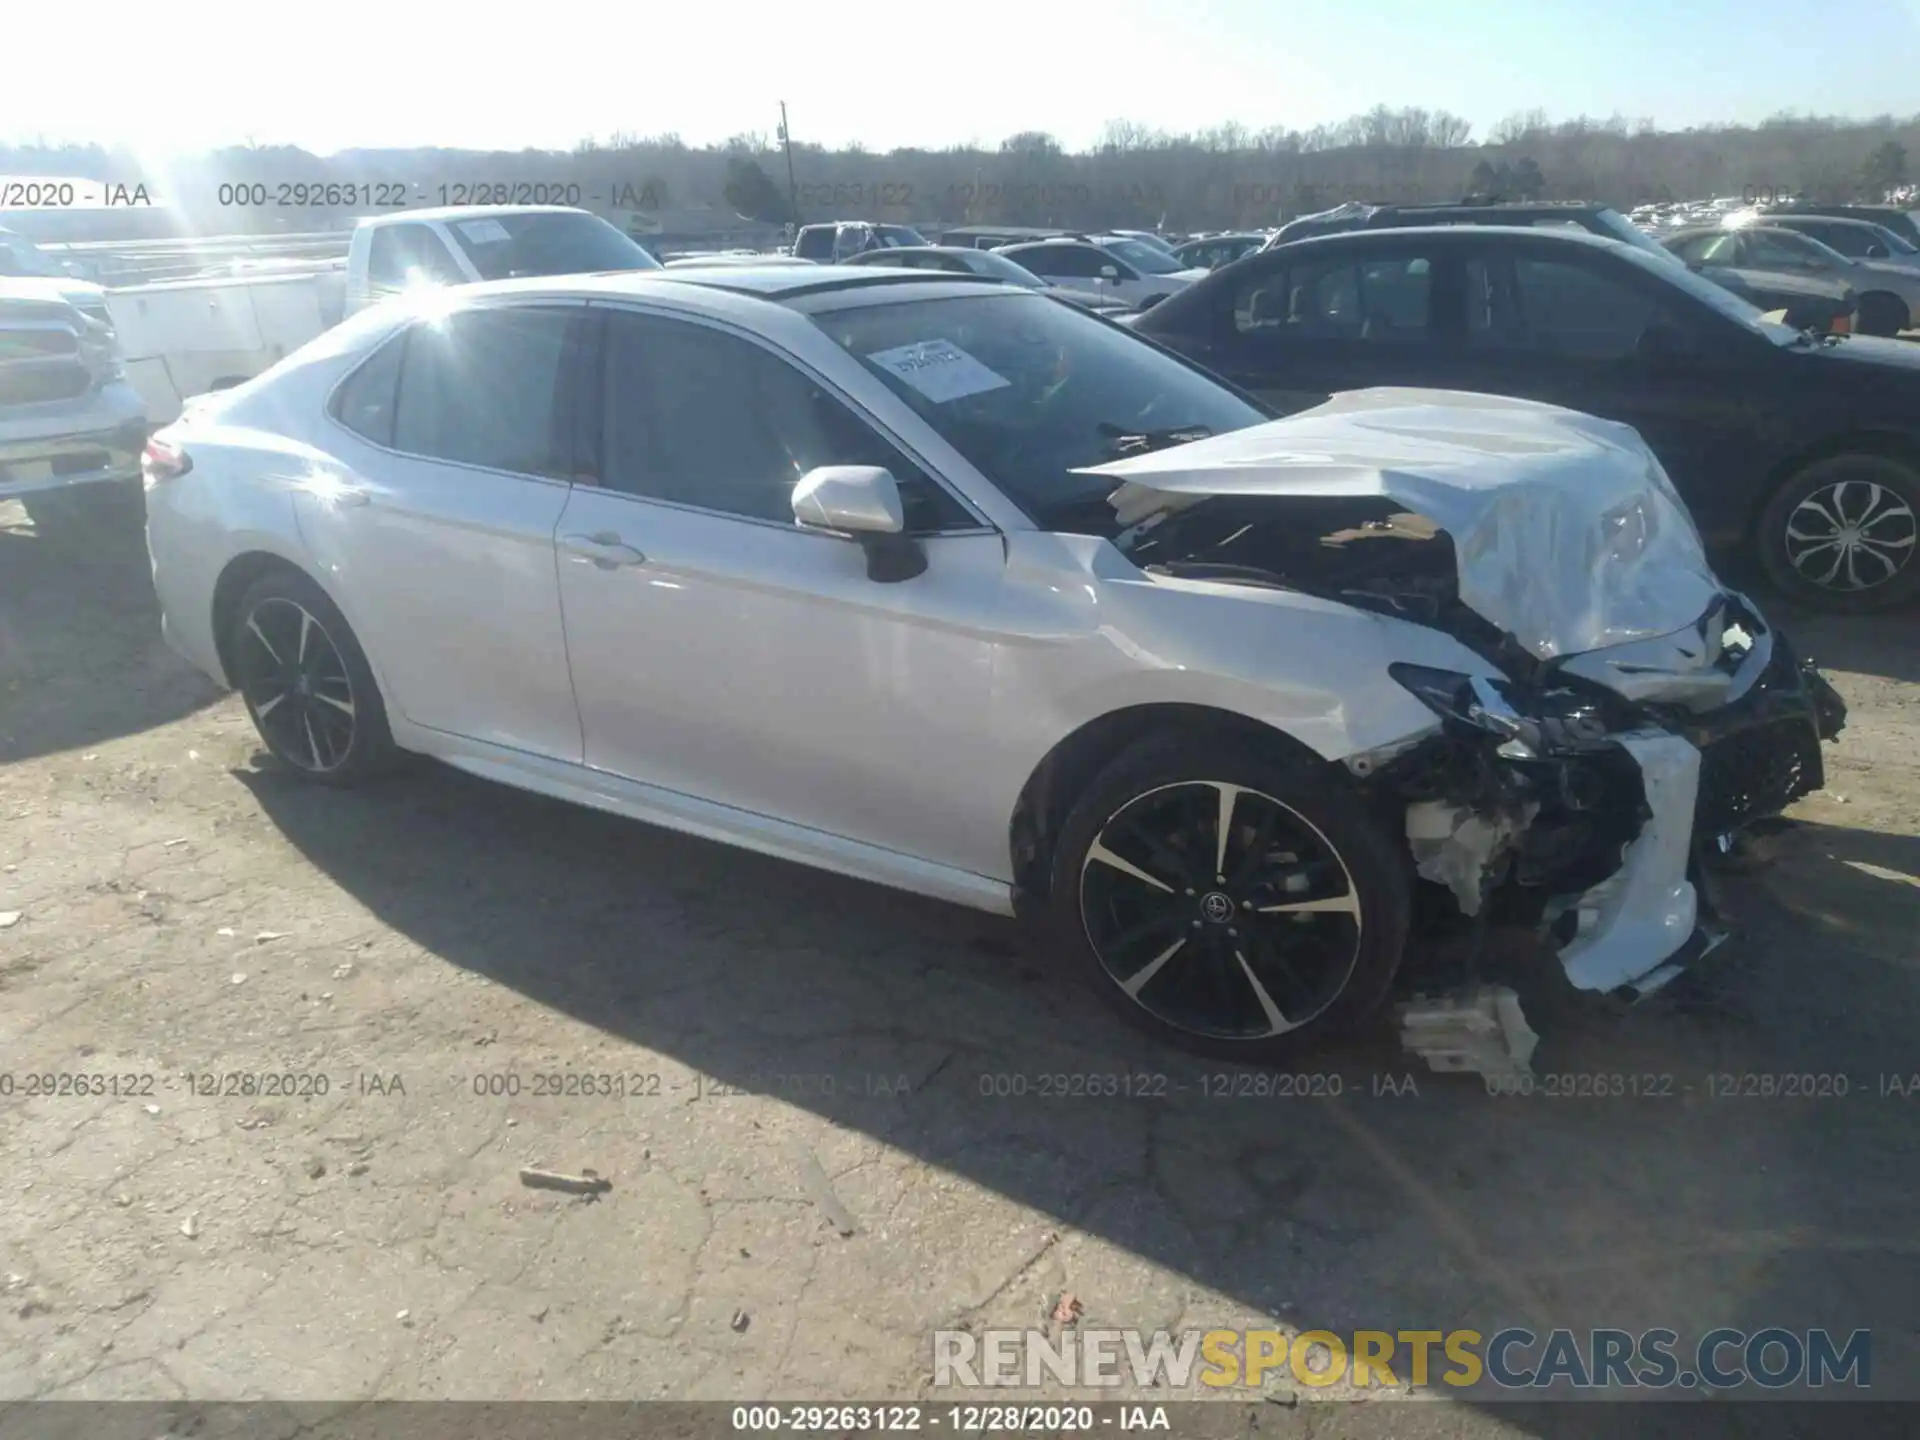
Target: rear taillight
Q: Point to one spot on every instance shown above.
(1842, 325)
(161, 462)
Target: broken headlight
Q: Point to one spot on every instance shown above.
(1554, 721)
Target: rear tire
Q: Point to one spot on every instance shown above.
(1295, 936)
(1868, 505)
(1882, 313)
(306, 682)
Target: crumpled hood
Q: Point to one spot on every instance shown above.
(1567, 533)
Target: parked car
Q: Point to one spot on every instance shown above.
(1803, 451)
(740, 553)
(68, 417)
(839, 239)
(1109, 267)
(1210, 252)
(1147, 237)
(992, 264)
(993, 237)
(1900, 222)
(1855, 239)
(684, 262)
(1887, 296)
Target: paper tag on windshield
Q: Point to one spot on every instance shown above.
(939, 370)
(484, 232)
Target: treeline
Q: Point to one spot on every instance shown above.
(1228, 176)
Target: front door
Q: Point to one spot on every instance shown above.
(438, 531)
(721, 651)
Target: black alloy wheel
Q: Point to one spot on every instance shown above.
(1234, 908)
(306, 682)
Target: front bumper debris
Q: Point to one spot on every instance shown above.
(1598, 842)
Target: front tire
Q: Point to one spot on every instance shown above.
(1227, 900)
(306, 682)
(1841, 534)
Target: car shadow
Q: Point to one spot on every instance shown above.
(1639, 1185)
(81, 658)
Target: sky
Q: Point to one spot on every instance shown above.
(192, 74)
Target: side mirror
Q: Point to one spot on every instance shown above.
(1109, 272)
(862, 501)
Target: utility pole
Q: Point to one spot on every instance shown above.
(793, 190)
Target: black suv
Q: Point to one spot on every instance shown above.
(1801, 449)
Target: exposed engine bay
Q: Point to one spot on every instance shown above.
(1635, 714)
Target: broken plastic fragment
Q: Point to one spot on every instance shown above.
(1480, 1031)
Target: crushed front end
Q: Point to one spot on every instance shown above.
(1583, 798)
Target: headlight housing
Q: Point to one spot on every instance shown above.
(1557, 720)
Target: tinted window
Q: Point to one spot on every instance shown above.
(1707, 249)
(480, 387)
(364, 403)
(1780, 250)
(1379, 298)
(704, 418)
(1843, 238)
(815, 242)
(1556, 307)
(1030, 391)
(403, 254)
(1066, 261)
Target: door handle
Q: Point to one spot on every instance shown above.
(604, 548)
(351, 495)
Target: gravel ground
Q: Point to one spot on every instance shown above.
(804, 1055)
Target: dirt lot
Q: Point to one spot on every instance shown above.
(185, 910)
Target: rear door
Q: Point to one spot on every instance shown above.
(437, 539)
(1295, 328)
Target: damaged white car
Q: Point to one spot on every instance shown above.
(956, 589)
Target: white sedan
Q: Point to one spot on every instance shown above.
(940, 584)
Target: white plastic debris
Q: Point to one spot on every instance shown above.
(9, 919)
(190, 1227)
(1454, 846)
(1479, 1032)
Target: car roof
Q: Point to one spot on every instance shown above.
(1803, 215)
(1387, 235)
(766, 282)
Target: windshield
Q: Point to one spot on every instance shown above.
(985, 262)
(1142, 257)
(547, 243)
(1028, 391)
(1618, 227)
(895, 235)
(20, 256)
(1673, 270)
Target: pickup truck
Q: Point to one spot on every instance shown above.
(181, 338)
(68, 418)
